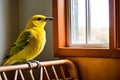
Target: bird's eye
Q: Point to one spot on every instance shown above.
(39, 18)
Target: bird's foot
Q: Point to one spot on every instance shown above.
(38, 63)
(29, 64)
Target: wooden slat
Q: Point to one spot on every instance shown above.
(62, 72)
(16, 75)
(55, 74)
(0, 77)
(47, 75)
(31, 75)
(4, 77)
(21, 74)
(41, 73)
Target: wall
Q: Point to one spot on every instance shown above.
(9, 26)
(97, 68)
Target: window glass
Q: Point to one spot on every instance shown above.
(78, 22)
(89, 21)
(99, 21)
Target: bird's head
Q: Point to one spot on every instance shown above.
(39, 20)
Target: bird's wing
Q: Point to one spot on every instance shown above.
(21, 42)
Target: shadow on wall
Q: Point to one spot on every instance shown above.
(9, 25)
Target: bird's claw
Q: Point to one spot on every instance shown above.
(29, 64)
(38, 64)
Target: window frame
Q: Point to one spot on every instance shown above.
(60, 34)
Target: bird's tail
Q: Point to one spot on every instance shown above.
(9, 61)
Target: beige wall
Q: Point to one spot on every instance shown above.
(97, 68)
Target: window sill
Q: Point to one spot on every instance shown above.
(84, 52)
(78, 52)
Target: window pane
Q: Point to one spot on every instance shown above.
(89, 20)
(99, 21)
(78, 21)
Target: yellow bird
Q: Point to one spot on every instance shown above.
(30, 42)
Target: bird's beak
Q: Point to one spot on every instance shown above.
(49, 18)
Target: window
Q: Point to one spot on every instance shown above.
(61, 28)
(88, 23)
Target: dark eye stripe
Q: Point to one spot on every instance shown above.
(39, 18)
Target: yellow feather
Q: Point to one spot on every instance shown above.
(35, 41)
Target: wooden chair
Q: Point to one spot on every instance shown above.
(49, 70)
